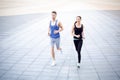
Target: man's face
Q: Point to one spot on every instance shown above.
(53, 15)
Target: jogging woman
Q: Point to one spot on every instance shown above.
(78, 36)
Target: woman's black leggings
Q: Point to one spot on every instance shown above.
(78, 46)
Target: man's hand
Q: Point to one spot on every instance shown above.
(48, 31)
(48, 34)
(56, 31)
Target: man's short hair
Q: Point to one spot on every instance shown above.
(54, 12)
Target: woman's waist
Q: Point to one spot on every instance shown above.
(76, 38)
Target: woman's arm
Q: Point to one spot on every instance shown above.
(73, 33)
(83, 35)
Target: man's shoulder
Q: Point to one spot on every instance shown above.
(58, 21)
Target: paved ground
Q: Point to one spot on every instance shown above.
(24, 47)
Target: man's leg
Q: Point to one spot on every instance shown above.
(58, 44)
(52, 51)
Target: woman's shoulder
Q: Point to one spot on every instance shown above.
(82, 25)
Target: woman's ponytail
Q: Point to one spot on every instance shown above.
(75, 23)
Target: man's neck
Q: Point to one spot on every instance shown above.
(53, 19)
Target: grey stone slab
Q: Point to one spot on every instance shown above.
(9, 77)
(73, 78)
(2, 72)
(108, 76)
(34, 68)
(5, 66)
(92, 76)
(27, 78)
(31, 73)
(13, 72)
(19, 67)
(62, 78)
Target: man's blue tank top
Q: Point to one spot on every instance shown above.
(53, 28)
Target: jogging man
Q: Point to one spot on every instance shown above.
(55, 27)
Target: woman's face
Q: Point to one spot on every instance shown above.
(78, 19)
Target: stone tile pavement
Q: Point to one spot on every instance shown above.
(25, 49)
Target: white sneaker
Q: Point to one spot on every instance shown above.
(53, 63)
(78, 65)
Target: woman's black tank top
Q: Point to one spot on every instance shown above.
(78, 31)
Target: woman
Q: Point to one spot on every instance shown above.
(78, 36)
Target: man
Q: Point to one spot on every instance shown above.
(55, 27)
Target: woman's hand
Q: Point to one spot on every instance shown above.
(83, 37)
(78, 36)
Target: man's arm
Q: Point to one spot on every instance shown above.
(60, 28)
(48, 31)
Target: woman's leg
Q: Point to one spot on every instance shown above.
(79, 50)
(76, 44)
